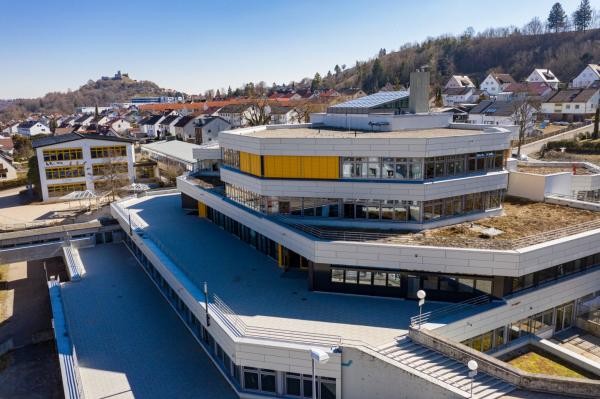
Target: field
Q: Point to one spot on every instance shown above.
(536, 363)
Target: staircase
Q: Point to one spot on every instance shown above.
(445, 369)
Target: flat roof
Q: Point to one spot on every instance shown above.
(236, 272)
(522, 223)
(315, 132)
(174, 149)
(129, 342)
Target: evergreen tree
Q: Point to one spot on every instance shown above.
(582, 17)
(229, 92)
(377, 75)
(596, 123)
(557, 18)
(337, 69)
(96, 113)
(316, 82)
(53, 125)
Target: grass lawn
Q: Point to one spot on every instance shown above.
(538, 364)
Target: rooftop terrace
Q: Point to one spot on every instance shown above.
(523, 223)
(262, 294)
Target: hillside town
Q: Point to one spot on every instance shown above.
(410, 231)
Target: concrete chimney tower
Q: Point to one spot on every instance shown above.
(418, 101)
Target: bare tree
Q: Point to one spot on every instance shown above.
(111, 176)
(171, 172)
(258, 113)
(524, 116)
(305, 108)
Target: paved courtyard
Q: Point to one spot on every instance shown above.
(257, 289)
(129, 342)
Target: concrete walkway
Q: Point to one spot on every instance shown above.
(129, 342)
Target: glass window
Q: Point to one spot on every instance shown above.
(393, 280)
(337, 275)
(292, 384)
(379, 278)
(430, 282)
(250, 378)
(486, 341)
(327, 388)
(267, 381)
(351, 276)
(499, 336)
(484, 286)
(364, 278)
(465, 285)
(307, 387)
(448, 284)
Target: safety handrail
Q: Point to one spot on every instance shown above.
(459, 306)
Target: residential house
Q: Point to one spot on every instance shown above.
(352, 93)
(208, 127)
(78, 162)
(149, 125)
(119, 125)
(6, 145)
(285, 96)
(84, 120)
(236, 114)
(283, 115)
(327, 95)
(11, 129)
(7, 170)
(185, 128)
(499, 113)
(589, 75)
(495, 83)
(460, 95)
(540, 75)
(458, 82)
(537, 90)
(572, 104)
(32, 128)
(166, 127)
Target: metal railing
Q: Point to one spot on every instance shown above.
(241, 329)
(454, 308)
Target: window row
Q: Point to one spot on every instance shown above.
(65, 172)
(427, 282)
(58, 190)
(109, 151)
(486, 341)
(101, 169)
(421, 168)
(230, 157)
(554, 272)
(63, 154)
(385, 210)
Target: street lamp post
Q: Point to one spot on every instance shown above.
(472, 365)
(206, 303)
(421, 295)
(317, 355)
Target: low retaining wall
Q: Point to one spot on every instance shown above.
(589, 326)
(494, 367)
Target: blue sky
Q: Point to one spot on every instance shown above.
(197, 45)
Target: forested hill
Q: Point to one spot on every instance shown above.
(100, 92)
(565, 53)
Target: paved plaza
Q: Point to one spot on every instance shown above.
(129, 342)
(254, 286)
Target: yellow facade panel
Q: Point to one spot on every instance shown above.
(202, 209)
(250, 163)
(301, 167)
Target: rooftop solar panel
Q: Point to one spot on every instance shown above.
(374, 100)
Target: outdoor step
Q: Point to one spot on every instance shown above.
(434, 359)
(418, 357)
(495, 392)
(447, 369)
(461, 370)
(458, 379)
(433, 367)
(409, 353)
(399, 348)
(480, 381)
(493, 383)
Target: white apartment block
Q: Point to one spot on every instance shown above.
(78, 162)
